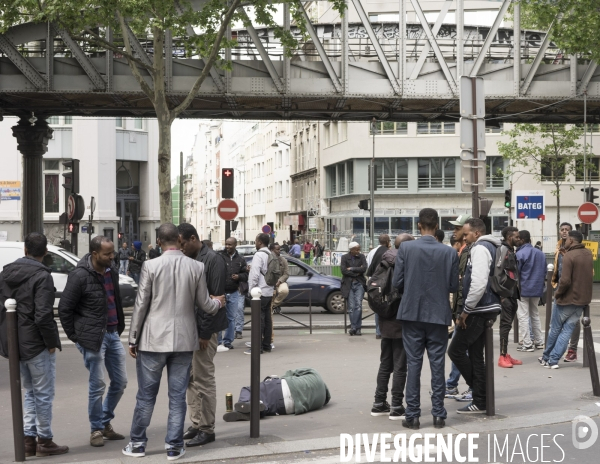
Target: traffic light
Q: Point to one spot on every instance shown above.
(234, 225)
(590, 194)
(71, 175)
(73, 228)
(363, 204)
(226, 183)
(508, 198)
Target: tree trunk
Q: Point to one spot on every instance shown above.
(164, 167)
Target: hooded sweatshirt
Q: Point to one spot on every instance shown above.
(30, 283)
(477, 293)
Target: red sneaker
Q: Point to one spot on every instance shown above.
(571, 356)
(515, 362)
(504, 361)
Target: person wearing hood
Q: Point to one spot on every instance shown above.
(136, 260)
(354, 284)
(480, 304)
(30, 283)
(92, 317)
(573, 292)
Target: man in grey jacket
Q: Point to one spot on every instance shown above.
(164, 333)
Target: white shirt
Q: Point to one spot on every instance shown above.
(371, 255)
(288, 401)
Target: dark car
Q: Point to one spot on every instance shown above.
(324, 289)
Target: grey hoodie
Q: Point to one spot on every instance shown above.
(478, 296)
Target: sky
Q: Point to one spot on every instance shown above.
(183, 132)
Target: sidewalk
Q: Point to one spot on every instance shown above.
(526, 396)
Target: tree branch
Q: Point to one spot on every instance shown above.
(134, 69)
(210, 61)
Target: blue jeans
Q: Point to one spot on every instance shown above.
(136, 277)
(38, 376)
(112, 356)
(124, 266)
(562, 323)
(239, 317)
(232, 308)
(357, 291)
(149, 367)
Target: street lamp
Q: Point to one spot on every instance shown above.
(275, 144)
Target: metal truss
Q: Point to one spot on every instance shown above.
(396, 71)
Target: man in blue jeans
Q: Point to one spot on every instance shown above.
(353, 267)
(164, 333)
(30, 283)
(574, 291)
(91, 314)
(237, 272)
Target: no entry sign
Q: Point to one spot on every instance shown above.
(587, 213)
(227, 210)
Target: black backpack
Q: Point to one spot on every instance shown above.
(383, 298)
(505, 280)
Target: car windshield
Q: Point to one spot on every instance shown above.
(70, 255)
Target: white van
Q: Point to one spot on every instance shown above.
(62, 262)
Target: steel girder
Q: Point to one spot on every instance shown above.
(343, 71)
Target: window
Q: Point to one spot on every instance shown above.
(494, 129)
(138, 123)
(119, 122)
(494, 166)
(52, 188)
(391, 173)
(341, 173)
(53, 120)
(295, 270)
(445, 223)
(68, 120)
(552, 169)
(499, 223)
(350, 170)
(401, 225)
(431, 128)
(332, 180)
(57, 263)
(437, 173)
(593, 167)
(390, 128)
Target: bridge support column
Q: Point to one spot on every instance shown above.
(32, 142)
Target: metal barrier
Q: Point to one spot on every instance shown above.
(287, 300)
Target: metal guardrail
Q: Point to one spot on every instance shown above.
(278, 311)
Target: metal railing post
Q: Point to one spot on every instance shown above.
(490, 392)
(15, 379)
(588, 346)
(256, 347)
(548, 302)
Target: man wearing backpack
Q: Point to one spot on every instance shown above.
(264, 273)
(480, 304)
(508, 300)
(393, 356)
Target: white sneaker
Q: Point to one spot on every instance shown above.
(272, 346)
(222, 348)
(248, 344)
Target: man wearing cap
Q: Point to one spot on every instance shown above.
(354, 266)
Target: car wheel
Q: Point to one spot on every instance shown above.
(336, 303)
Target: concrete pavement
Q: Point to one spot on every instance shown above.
(527, 396)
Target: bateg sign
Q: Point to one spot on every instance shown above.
(529, 204)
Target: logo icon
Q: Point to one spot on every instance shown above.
(584, 432)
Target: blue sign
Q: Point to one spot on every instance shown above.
(529, 205)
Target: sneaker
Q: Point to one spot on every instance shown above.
(238, 335)
(539, 346)
(451, 392)
(110, 434)
(515, 362)
(135, 450)
(527, 348)
(470, 409)
(464, 397)
(571, 356)
(272, 346)
(175, 453)
(222, 348)
(542, 362)
(551, 366)
(248, 344)
(249, 351)
(380, 409)
(504, 361)
(96, 438)
(397, 412)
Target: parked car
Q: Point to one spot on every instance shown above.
(246, 250)
(62, 262)
(325, 290)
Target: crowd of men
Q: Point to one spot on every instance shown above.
(460, 290)
(190, 306)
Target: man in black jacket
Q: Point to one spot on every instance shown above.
(202, 388)
(30, 283)
(237, 271)
(91, 314)
(353, 267)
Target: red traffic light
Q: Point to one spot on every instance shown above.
(73, 228)
(227, 172)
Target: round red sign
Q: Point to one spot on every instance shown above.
(227, 210)
(587, 213)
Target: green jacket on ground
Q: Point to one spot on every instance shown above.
(307, 388)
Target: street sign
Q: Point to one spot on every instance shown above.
(466, 97)
(593, 247)
(529, 204)
(71, 207)
(227, 210)
(466, 173)
(588, 213)
(266, 229)
(466, 134)
(594, 235)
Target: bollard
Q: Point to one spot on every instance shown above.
(591, 353)
(516, 327)
(15, 379)
(256, 347)
(586, 358)
(490, 395)
(548, 302)
(345, 315)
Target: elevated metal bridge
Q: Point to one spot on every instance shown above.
(348, 71)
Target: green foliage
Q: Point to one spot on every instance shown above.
(577, 23)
